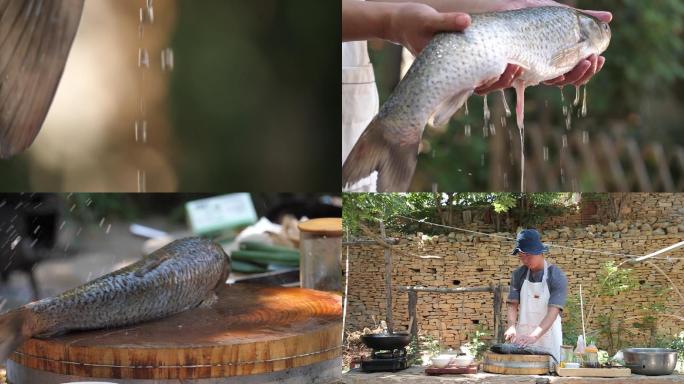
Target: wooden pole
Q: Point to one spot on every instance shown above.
(388, 281)
(413, 313)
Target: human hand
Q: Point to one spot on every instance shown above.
(525, 340)
(510, 333)
(413, 25)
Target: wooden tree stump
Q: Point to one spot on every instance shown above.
(250, 330)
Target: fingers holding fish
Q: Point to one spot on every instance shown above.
(604, 16)
(413, 25)
(506, 80)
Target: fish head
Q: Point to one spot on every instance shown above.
(594, 32)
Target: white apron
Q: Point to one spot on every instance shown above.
(534, 301)
(360, 103)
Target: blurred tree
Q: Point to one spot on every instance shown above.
(252, 95)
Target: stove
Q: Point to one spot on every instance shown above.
(385, 361)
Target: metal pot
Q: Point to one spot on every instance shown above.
(386, 341)
(650, 361)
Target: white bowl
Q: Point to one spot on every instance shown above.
(441, 361)
(463, 361)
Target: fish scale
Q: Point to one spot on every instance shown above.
(170, 280)
(546, 42)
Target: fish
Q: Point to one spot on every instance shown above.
(182, 275)
(512, 349)
(35, 40)
(546, 42)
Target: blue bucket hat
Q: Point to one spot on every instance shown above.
(529, 241)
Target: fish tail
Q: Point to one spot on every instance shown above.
(12, 331)
(394, 162)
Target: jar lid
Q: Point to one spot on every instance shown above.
(329, 226)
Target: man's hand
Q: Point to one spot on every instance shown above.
(523, 341)
(510, 333)
(413, 25)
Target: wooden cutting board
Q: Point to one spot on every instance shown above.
(516, 364)
(251, 330)
(594, 372)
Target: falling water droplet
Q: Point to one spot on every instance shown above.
(492, 129)
(61, 226)
(15, 242)
(466, 108)
(467, 130)
(486, 114)
(102, 222)
(564, 140)
(503, 122)
(565, 108)
(584, 102)
(142, 183)
(577, 96)
(485, 131)
(72, 208)
(167, 60)
(505, 177)
(109, 228)
(35, 231)
(562, 174)
(546, 153)
(505, 103)
(585, 137)
(568, 121)
(143, 58)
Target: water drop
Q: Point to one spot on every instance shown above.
(15, 242)
(167, 60)
(102, 222)
(585, 137)
(485, 131)
(72, 208)
(143, 58)
(466, 107)
(61, 226)
(35, 231)
(505, 177)
(492, 129)
(503, 122)
(562, 174)
(584, 102)
(467, 130)
(546, 153)
(109, 228)
(564, 140)
(142, 183)
(577, 96)
(505, 103)
(568, 121)
(486, 114)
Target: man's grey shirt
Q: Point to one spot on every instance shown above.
(558, 284)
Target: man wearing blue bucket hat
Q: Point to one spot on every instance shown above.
(536, 297)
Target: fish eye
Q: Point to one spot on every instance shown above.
(605, 27)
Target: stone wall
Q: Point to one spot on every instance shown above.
(648, 222)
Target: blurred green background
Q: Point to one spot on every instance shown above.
(249, 105)
(631, 139)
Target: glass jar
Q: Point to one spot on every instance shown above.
(567, 355)
(591, 357)
(320, 246)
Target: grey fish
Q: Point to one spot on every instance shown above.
(512, 349)
(35, 39)
(177, 277)
(546, 42)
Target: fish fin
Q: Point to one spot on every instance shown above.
(35, 40)
(150, 263)
(12, 333)
(567, 57)
(209, 301)
(394, 162)
(449, 107)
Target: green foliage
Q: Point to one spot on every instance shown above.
(613, 279)
(477, 344)
(678, 345)
(423, 344)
